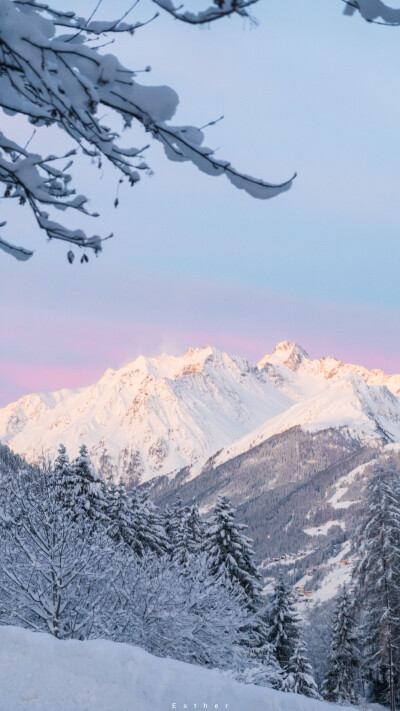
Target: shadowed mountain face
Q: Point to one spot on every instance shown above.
(282, 490)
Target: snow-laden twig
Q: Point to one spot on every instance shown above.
(53, 75)
(372, 10)
(220, 8)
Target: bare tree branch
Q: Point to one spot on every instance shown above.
(64, 80)
(371, 10)
(221, 8)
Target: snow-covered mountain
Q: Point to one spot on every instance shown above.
(158, 415)
(367, 411)
(296, 374)
(153, 416)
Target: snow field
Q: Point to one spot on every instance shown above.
(40, 673)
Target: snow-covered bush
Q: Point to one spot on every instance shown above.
(181, 612)
(55, 572)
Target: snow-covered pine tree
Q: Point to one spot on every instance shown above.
(118, 512)
(300, 678)
(261, 648)
(166, 519)
(284, 625)
(64, 479)
(181, 554)
(317, 627)
(230, 552)
(196, 528)
(88, 493)
(187, 533)
(184, 530)
(377, 576)
(340, 683)
(146, 524)
(178, 532)
(178, 515)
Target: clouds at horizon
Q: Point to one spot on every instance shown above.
(67, 351)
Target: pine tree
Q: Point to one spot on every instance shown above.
(166, 518)
(64, 478)
(261, 648)
(188, 533)
(178, 533)
(300, 679)
(146, 525)
(181, 554)
(176, 523)
(377, 577)
(343, 661)
(119, 513)
(88, 499)
(196, 528)
(284, 625)
(230, 552)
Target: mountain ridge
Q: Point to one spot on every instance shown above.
(157, 415)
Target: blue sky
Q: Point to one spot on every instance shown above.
(195, 261)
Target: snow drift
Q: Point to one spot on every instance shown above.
(40, 673)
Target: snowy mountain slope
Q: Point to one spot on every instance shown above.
(368, 411)
(300, 494)
(296, 374)
(341, 502)
(153, 416)
(159, 415)
(41, 673)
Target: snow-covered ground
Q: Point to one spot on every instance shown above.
(324, 528)
(338, 572)
(336, 500)
(40, 673)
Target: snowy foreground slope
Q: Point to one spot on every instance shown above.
(40, 673)
(158, 415)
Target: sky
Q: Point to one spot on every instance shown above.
(195, 261)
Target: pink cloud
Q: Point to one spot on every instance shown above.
(23, 379)
(49, 346)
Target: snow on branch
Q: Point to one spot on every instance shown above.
(18, 253)
(374, 11)
(220, 8)
(73, 21)
(31, 178)
(53, 73)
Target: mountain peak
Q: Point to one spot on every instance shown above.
(288, 353)
(290, 347)
(199, 353)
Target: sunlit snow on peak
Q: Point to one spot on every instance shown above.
(157, 415)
